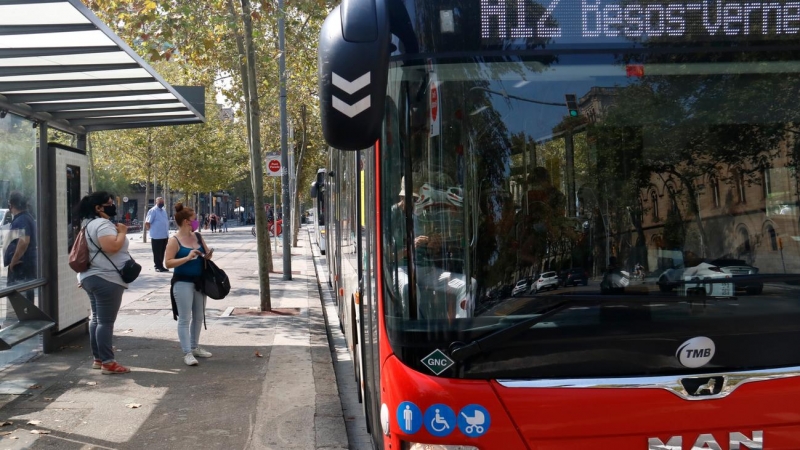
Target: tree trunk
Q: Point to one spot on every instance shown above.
(144, 210)
(296, 202)
(257, 171)
(147, 184)
(90, 155)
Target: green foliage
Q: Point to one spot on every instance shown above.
(190, 42)
(17, 157)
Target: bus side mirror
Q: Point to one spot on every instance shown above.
(353, 70)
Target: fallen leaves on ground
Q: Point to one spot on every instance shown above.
(34, 422)
(258, 354)
(5, 433)
(35, 386)
(133, 405)
(91, 383)
(5, 424)
(129, 330)
(48, 399)
(40, 432)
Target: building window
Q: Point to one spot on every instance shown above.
(654, 201)
(744, 247)
(773, 237)
(714, 184)
(673, 198)
(766, 183)
(740, 187)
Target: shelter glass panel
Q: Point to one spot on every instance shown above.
(18, 194)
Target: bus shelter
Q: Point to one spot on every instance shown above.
(62, 69)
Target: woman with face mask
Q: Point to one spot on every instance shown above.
(102, 281)
(184, 253)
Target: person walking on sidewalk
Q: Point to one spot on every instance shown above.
(184, 254)
(102, 282)
(223, 224)
(157, 223)
(213, 222)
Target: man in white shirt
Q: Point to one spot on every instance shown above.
(157, 223)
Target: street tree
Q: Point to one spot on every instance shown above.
(234, 42)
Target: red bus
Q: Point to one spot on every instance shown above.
(567, 224)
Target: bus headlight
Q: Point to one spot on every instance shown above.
(418, 446)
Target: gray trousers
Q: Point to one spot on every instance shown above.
(191, 310)
(105, 298)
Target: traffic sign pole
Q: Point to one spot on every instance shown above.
(287, 243)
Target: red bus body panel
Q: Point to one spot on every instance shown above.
(403, 384)
(583, 418)
(558, 418)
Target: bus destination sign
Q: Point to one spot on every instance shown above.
(568, 21)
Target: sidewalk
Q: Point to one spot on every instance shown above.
(269, 385)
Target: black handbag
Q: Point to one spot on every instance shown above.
(216, 284)
(130, 270)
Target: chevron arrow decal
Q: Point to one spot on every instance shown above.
(351, 110)
(350, 86)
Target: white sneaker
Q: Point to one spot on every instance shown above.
(189, 360)
(200, 353)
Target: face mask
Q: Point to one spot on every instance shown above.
(110, 211)
(195, 225)
(160, 205)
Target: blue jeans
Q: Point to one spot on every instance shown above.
(191, 310)
(105, 298)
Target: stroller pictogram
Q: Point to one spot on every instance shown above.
(475, 422)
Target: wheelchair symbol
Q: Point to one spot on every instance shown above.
(440, 421)
(475, 423)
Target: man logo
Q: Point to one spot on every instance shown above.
(736, 441)
(707, 388)
(703, 386)
(696, 352)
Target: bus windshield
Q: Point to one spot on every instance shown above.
(652, 196)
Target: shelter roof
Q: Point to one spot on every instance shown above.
(60, 64)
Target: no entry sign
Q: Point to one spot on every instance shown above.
(274, 166)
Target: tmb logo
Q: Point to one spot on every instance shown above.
(696, 352)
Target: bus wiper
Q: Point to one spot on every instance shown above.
(460, 351)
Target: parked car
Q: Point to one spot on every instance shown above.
(521, 287)
(575, 275)
(546, 280)
(689, 279)
(5, 223)
(739, 269)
